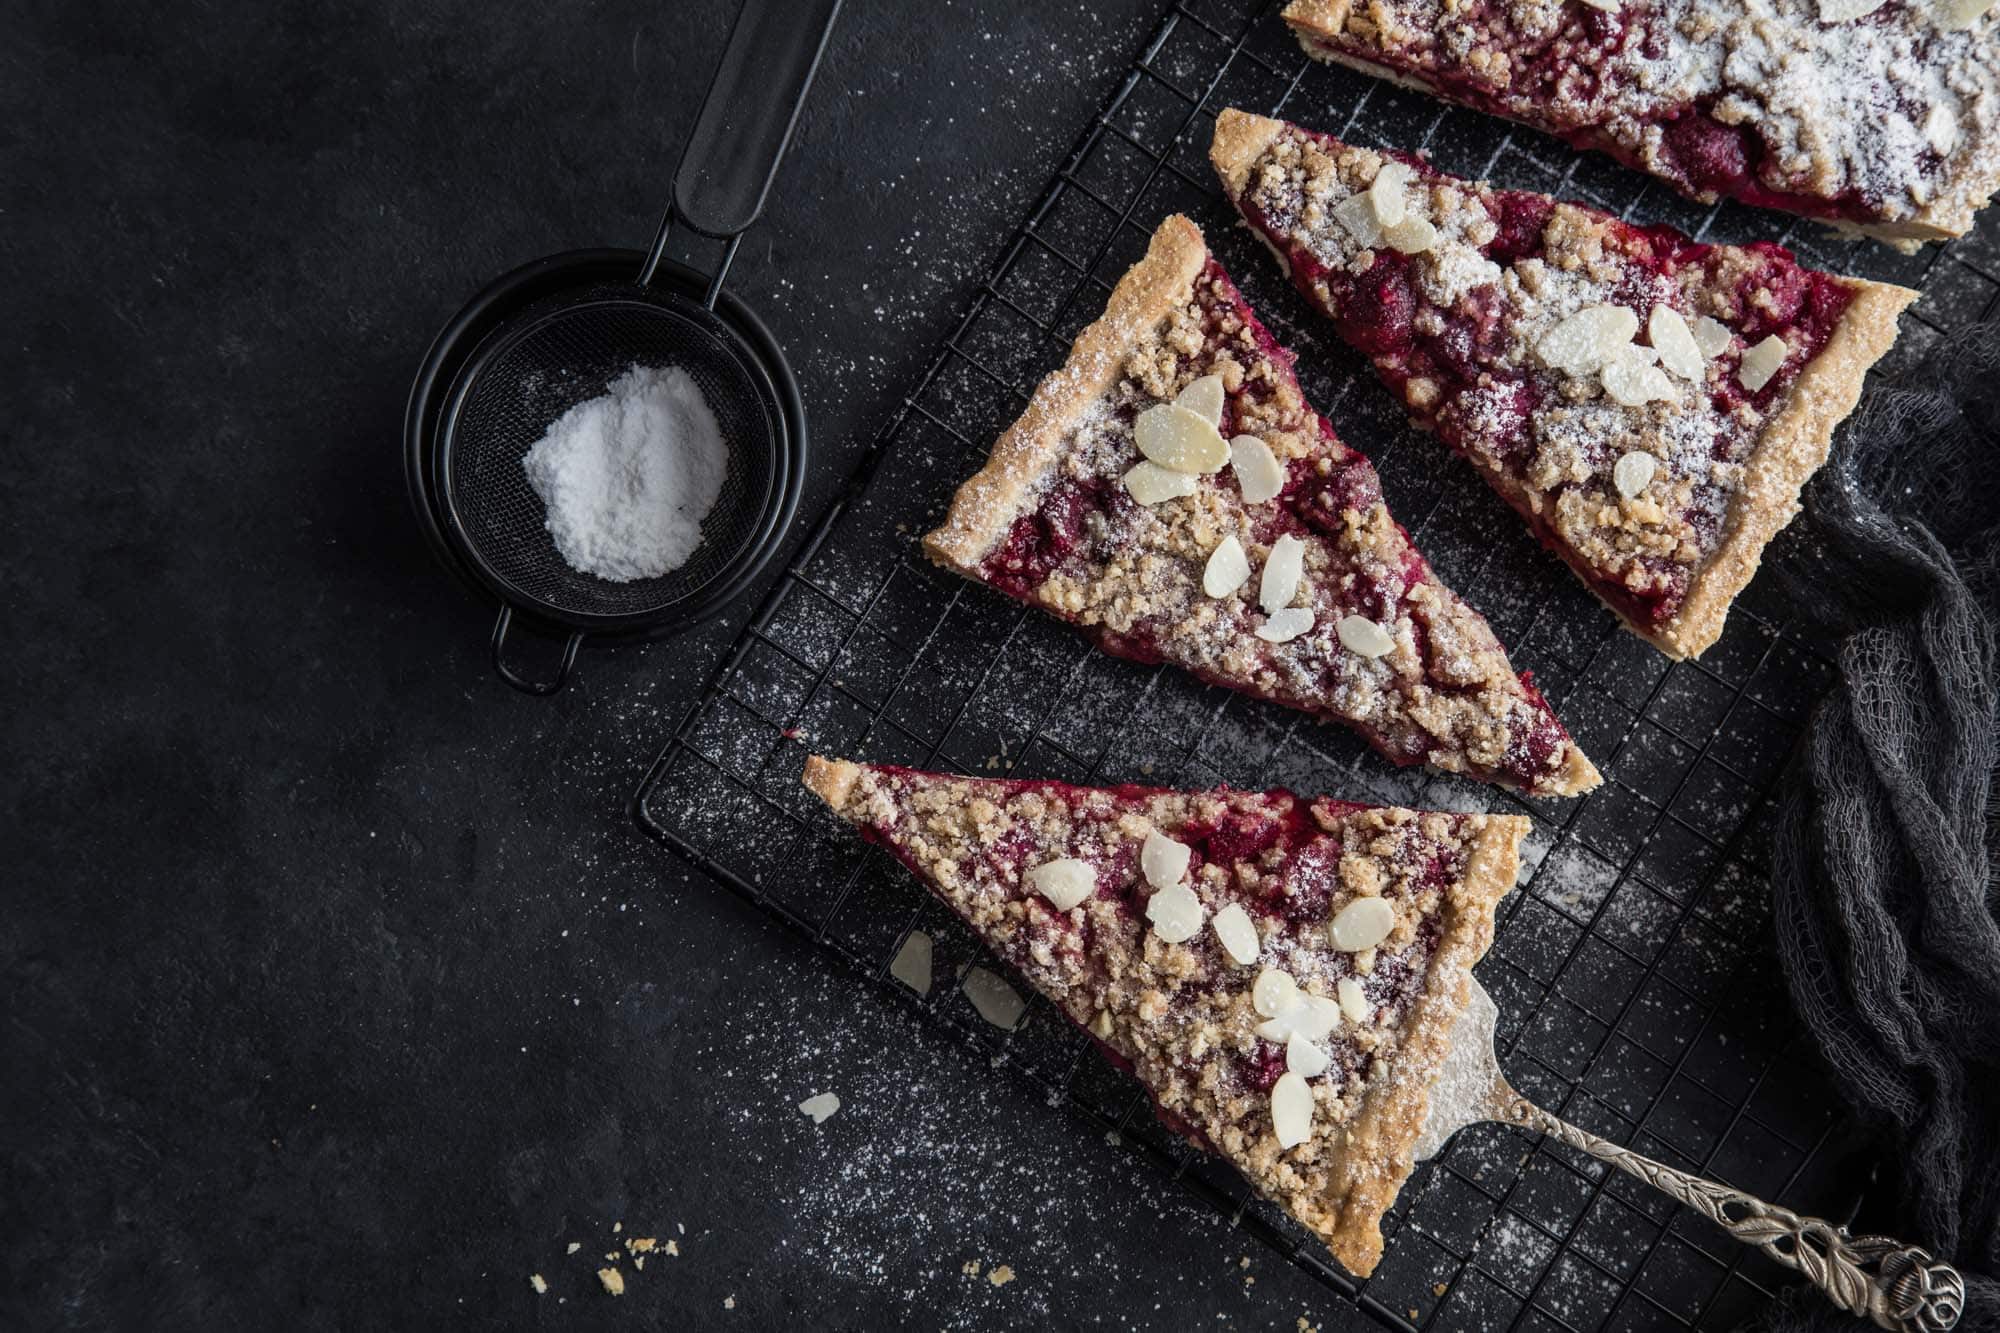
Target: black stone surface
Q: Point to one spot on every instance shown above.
(339, 992)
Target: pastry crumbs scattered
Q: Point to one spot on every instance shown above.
(574, 1246)
(640, 1244)
(1001, 1275)
(970, 1268)
(613, 1280)
(1437, 1289)
(639, 1262)
(673, 1248)
(729, 1301)
(539, 1283)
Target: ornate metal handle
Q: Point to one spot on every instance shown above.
(1900, 1287)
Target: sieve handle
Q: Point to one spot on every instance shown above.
(746, 121)
(515, 678)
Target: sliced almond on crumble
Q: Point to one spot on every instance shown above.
(1841, 11)
(1227, 569)
(1203, 398)
(1957, 15)
(997, 1002)
(1385, 196)
(1633, 383)
(1163, 861)
(1291, 1110)
(1308, 1016)
(1712, 336)
(1065, 881)
(1179, 439)
(1283, 568)
(1353, 1004)
(1237, 934)
(1175, 913)
(1761, 362)
(912, 966)
(1356, 216)
(1587, 339)
(1259, 474)
(1305, 1059)
(1675, 343)
(1633, 472)
(1362, 924)
(1286, 625)
(1273, 992)
(1364, 637)
(1608, 6)
(1411, 236)
(1151, 484)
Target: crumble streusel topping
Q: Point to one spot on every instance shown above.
(1439, 689)
(1529, 335)
(1186, 1015)
(1875, 114)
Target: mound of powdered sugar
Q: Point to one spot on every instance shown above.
(629, 475)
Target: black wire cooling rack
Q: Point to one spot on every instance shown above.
(1639, 996)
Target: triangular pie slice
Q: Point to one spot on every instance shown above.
(1873, 117)
(1282, 973)
(1650, 404)
(1170, 491)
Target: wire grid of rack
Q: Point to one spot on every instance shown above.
(1639, 996)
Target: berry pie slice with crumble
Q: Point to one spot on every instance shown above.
(1170, 491)
(1879, 116)
(1650, 405)
(1281, 973)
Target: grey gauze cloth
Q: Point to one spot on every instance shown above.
(1884, 885)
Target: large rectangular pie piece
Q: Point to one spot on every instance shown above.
(1876, 115)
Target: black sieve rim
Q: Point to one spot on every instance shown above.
(569, 277)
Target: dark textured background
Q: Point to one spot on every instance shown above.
(338, 989)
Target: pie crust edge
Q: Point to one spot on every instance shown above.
(1945, 218)
(987, 504)
(1380, 1141)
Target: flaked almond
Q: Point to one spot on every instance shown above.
(1761, 362)
(1712, 336)
(1163, 861)
(1675, 343)
(1841, 11)
(1204, 399)
(1175, 913)
(1291, 1110)
(1179, 439)
(1259, 474)
(1273, 992)
(997, 1002)
(912, 965)
(1065, 881)
(1957, 15)
(1633, 383)
(1412, 236)
(1385, 196)
(1308, 1016)
(1283, 568)
(1305, 1059)
(1356, 216)
(1237, 934)
(1362, 924)
(1633, 472)
(1364, 637)
(1151, 484)
(1587, 339)
(1286, 625)
(1608, 6)
(1353, 1003)
(1227, 569)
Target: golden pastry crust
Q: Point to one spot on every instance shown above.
(1724, 475)
(1180, 1014)
(992, 498)
(1410, 37)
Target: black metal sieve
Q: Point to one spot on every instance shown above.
(555, 334)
